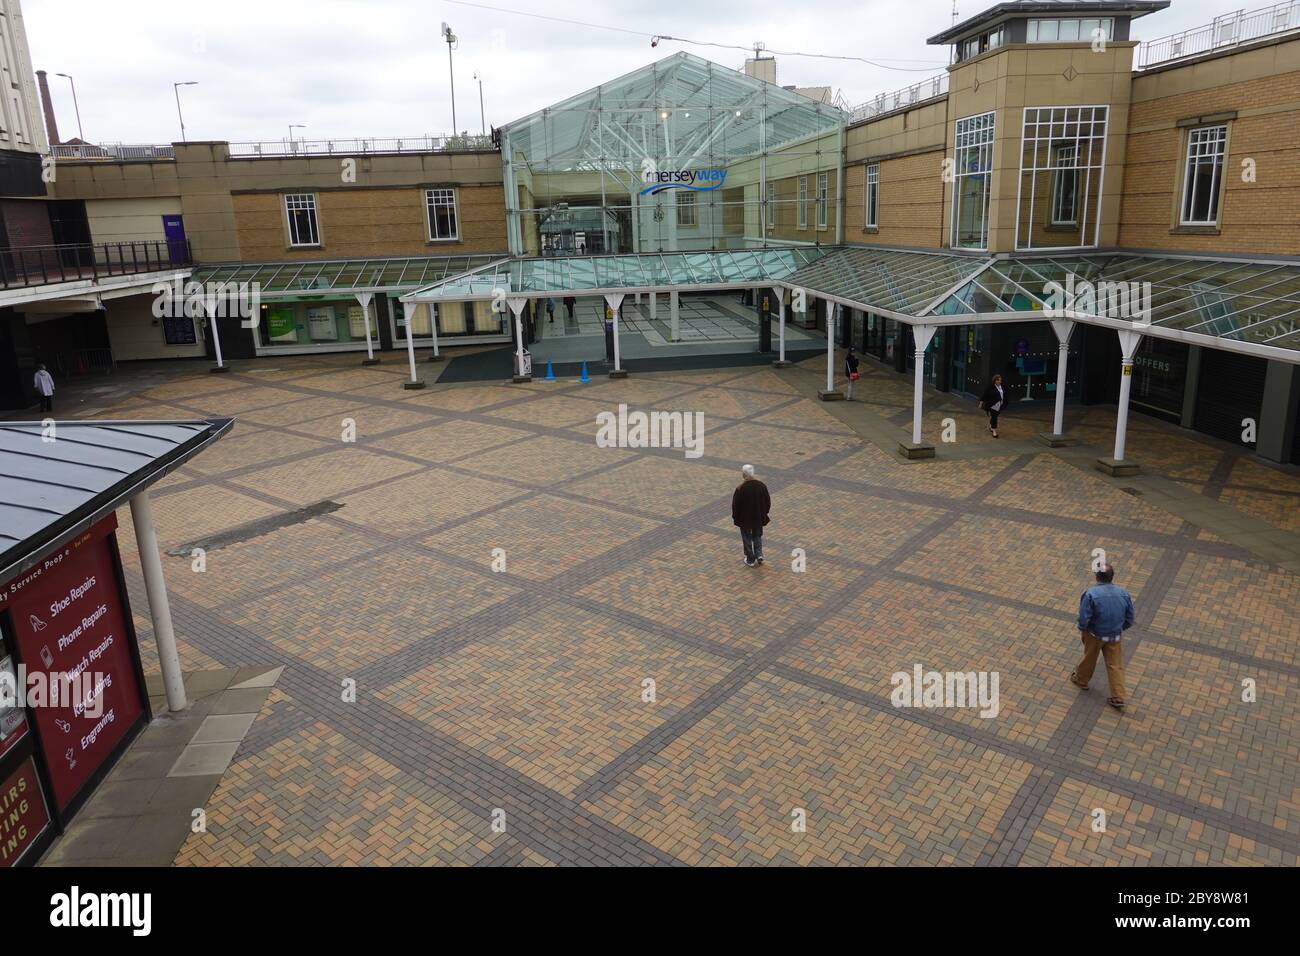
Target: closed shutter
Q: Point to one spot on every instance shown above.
(1295, 443)
(1231, 388)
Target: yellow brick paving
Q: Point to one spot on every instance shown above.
(771, 737)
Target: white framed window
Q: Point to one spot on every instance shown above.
(823, 195)
(1062, 161)
(771, 206)
(686, 208)
(440, 204)
(803, 202)
(304, 228)
(1070, 30)
(1203, 175)
(972, 172)
(872, 196)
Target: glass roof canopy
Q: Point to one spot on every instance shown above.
(588, 275)
(675, 109)
(345, 276)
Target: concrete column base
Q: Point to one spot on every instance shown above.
(373, 361)
(419, 383)
(434, 358)
(219, 368)
(522, 379)
(1057, 441)
(914, 451)
(831, 395)
(618, 373)
(1118, 469)
(781, 363)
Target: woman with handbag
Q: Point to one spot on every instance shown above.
(851, 371)
(993, 401)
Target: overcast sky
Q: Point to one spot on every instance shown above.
(379, 67)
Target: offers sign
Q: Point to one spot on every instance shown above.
(80, 679)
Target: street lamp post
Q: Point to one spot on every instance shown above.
(80, 135)
(176, 88)
(482, 117)
(451, 69)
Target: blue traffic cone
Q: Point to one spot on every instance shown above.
(584, 377)
(550, 372)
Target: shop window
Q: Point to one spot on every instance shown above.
(686, 209)
(304, 229)
(803, 202)
(1203, 175)
(441, 206)
(973, 179)
(823, 202)
(872, 198)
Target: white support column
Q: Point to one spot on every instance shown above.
(1063, 328)
(210, 311)
(1116, 466)
(408, 310)
(517, 303)
(155, 585)
(615, 301)
(673, 308)
(433, 327)
(365, 298)
(830, 393)
(780, 329)
(654, 305)
(922, 334)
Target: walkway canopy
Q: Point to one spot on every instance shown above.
(343, 276)
(597, 275)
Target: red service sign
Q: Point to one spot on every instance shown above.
(23, 815)
(80, 680)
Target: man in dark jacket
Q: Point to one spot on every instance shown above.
(749, 507)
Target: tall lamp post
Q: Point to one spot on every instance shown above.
(176, 88)
(81, 136)
(482, 117)
(451, 68)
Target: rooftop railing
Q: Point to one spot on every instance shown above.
(362, 146)
(1229, 30)
(27, 266)
(111, 152)
(888, 102)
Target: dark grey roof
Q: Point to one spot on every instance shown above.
(1002, 11)
(53, 490)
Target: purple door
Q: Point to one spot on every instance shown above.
(177, 248)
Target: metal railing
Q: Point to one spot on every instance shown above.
(362, 146)
(25, 266)
(1229, 30)
(111, 152)
(72, 363)
(888, 102)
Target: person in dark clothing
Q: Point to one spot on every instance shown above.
(550, 309)
(749, 507)
(569, 303)
(993, 401)
(850, 371)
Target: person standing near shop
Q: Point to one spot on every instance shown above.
(750, 504)
(569, 303)
(1105, 613)
(993, 400)
(850, 371)
(550, 308)
(44, 383)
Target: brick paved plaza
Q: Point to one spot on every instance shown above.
(522, 691)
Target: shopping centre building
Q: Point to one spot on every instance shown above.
(1095, 218)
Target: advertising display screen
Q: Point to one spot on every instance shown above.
(80, 674)
(23, 814)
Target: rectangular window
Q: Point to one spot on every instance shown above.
(873, 196)
(1065, 181)
(1062, 160)
(823, 194)
(973, 179)
(685, 208)
(803, 202)
(1203, 175)
(441, 204)
(301, 211)
(1070, 30)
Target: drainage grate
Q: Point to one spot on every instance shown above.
(255, 529)
(1136, 493)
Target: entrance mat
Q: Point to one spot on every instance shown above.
(498, 364)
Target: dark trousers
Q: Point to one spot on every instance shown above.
(569, 307)
(993, 417)
(47, 403)
(752, 539)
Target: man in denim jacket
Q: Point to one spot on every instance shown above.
(1105, 613)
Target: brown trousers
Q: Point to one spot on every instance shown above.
(1114, 657)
